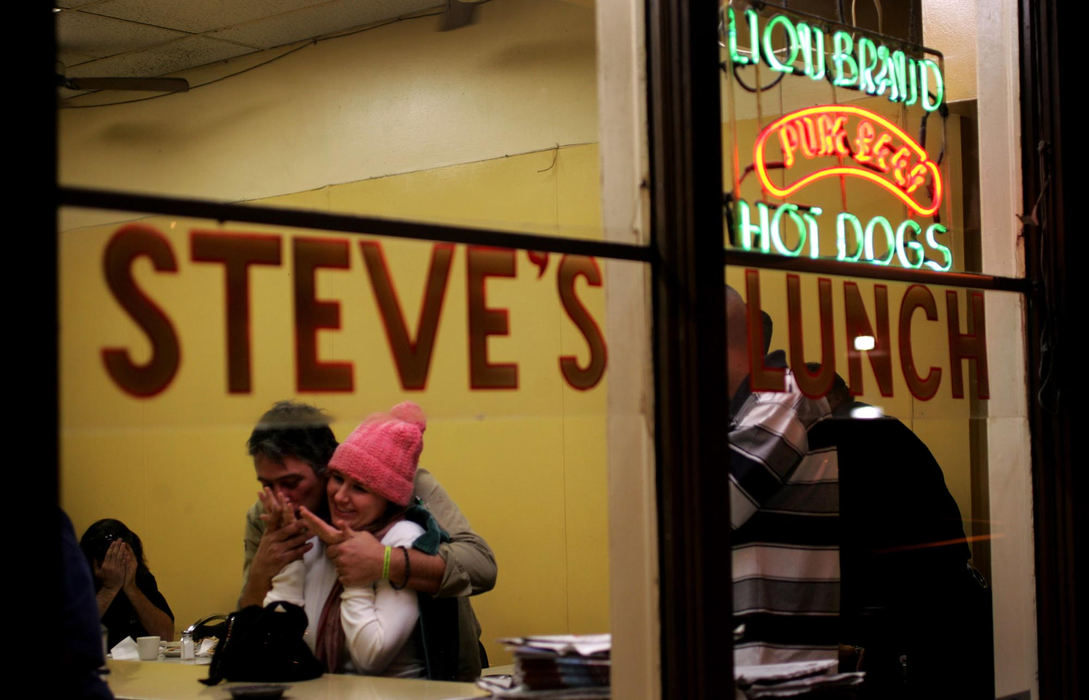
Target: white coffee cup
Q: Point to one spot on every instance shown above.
(148, 648)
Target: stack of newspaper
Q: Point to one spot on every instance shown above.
(557, 666)
(800, 679)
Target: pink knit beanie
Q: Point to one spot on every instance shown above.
(382, 453)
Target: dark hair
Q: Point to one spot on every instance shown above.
(102, 533)
(298, 430)
(765, 322)
(839, 393)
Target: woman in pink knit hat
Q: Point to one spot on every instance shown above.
(361, 629)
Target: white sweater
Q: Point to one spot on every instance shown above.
(378, 621)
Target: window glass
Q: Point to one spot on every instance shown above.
(842, 142)
(846, 140)
(178, 334)
(887, 413)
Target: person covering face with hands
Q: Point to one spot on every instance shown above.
(129, 601)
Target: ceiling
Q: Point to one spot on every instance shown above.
(151, 38)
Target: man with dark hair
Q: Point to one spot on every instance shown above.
(765, 322)
(291, 446)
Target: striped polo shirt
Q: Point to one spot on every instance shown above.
(784, 510)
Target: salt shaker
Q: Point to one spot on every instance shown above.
(187, 653)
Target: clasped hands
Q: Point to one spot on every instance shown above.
(117, 569)
(357, 556)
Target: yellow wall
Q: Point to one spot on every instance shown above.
(526, 466)
(478, 126)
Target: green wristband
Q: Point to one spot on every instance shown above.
(385, 563)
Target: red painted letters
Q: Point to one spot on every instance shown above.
(236, 252)
(412, 357)
(312, 315)
(131, 242)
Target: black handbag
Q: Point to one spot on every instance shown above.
(264, 645)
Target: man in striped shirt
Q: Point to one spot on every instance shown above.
(784, 510)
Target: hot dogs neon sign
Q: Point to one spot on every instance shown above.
(845, 141)
(839, 142)
(879, 152)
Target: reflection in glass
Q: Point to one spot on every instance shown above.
(840, 144)
(859, 447)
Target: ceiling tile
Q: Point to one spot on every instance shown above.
(199, 15)
(91, 35)
(178, 55)
(327, 18)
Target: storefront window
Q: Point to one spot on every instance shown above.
(850, 166)
(178, 332)
(186, 331)
(344, 223)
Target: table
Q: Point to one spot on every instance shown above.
(148, 680)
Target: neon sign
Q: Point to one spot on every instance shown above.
(879, 152)
(838, 142)
(873, 68)
(845, 141)
(794, 231)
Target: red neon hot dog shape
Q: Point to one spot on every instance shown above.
(870, 146)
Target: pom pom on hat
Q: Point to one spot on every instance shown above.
(410, 413)
(383, 452)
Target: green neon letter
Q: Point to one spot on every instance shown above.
(924, 85)
(790, 210)
(897, 67)
(913, 75)
(933, 243)
(754, 34)
(867, 61)
(811, 42)
(914, 245)
(842, 220)
(842, 46)
(731, 39)
(814, 230)
(765, 230)
(884, 80)
(890, 240)
(747, 230)
(791, 37)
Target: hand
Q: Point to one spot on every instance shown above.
(357, 556)
(358, 559)
(278, 509)
(111, 570)
(284, 541)
(325, 532)
(129, 556)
